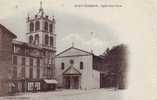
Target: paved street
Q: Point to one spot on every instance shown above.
(97, 94)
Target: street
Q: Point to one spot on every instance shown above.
(95, 94)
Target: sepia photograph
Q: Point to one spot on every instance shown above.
(78, 50)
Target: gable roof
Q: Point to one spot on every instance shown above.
(71, 71)
(74, 49)
(7, 30)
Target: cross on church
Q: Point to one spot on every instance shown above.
(72, 44)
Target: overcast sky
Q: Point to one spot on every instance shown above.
(73, 25)
(135, 24)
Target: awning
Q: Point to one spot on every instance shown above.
(52, 81)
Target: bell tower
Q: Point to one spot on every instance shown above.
(41, 29)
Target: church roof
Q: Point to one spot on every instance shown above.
(73, 48)
(71, 71)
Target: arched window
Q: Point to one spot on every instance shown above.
(36, 39)
(50, 27)
(31, 27)
(37, 26)
(46, 26)
(30, 39)
(62, 66)
(46, 39)
(81, 65)
(51, 41)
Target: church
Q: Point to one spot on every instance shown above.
(78, 69)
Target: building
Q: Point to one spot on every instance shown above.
(78, 69)
(33, 63)
(6, 37)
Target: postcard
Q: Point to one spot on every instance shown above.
(78, 50)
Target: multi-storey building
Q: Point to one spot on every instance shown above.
(6, 37)
(33, 61)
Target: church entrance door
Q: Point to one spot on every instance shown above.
(71, 82)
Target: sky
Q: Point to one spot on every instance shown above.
(133, 24)
(71, 25)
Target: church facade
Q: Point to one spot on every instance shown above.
(33, 63)
(77, 69)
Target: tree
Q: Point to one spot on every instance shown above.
(115, 59)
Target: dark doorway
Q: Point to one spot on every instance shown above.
(71, 82)
(67, 82)
(76, 82)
